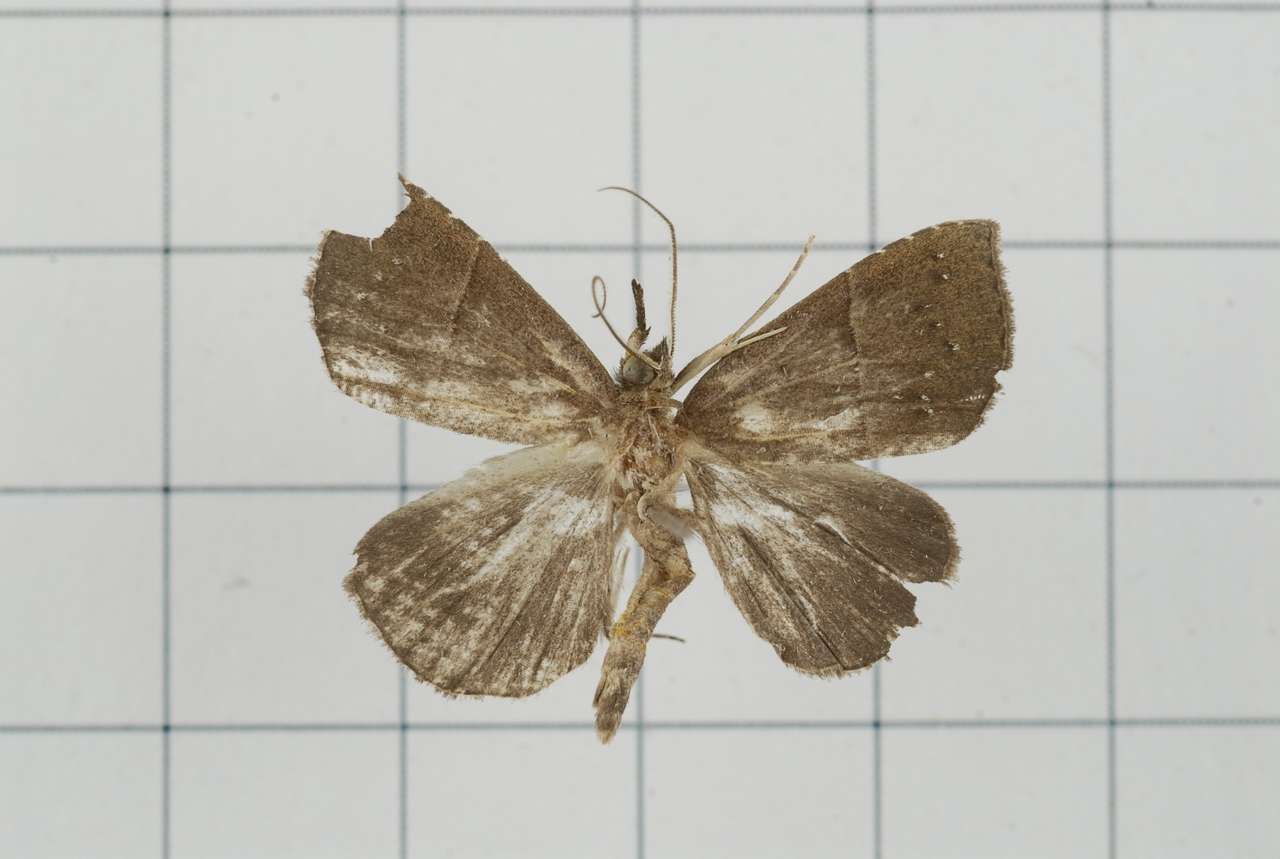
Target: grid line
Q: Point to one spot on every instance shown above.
(1108, 410)
(402, 436)
(873, 725)
(654, 11)
(877, 739)
(402, 465)
(166, 429)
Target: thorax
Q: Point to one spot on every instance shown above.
(645, 444)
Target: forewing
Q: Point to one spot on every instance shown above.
(428, 323)
(814, 555)
(500, 582)
(896, 355)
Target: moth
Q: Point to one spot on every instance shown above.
(505, 579)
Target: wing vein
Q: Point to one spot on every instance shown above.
(776, 344)
(792, 381)
(467, 280)
(787, 594)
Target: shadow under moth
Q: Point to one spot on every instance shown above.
(505, 579)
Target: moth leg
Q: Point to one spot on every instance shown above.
(664, 573)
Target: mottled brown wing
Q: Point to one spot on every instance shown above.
(428, 323)
(814, 555)
(500, 582)
(897, 355)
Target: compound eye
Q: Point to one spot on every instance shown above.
(637, 372)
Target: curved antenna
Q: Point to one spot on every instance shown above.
(600, 313)
(730, 344)
(672, 230)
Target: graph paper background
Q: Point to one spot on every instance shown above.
(180, 485)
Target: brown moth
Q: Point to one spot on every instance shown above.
(503, 581)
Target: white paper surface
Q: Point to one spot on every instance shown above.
(1101, 681)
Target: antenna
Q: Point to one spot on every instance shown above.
(672, 230)
(729, 345)
(600, 313)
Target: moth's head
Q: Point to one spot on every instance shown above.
(650, 368)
